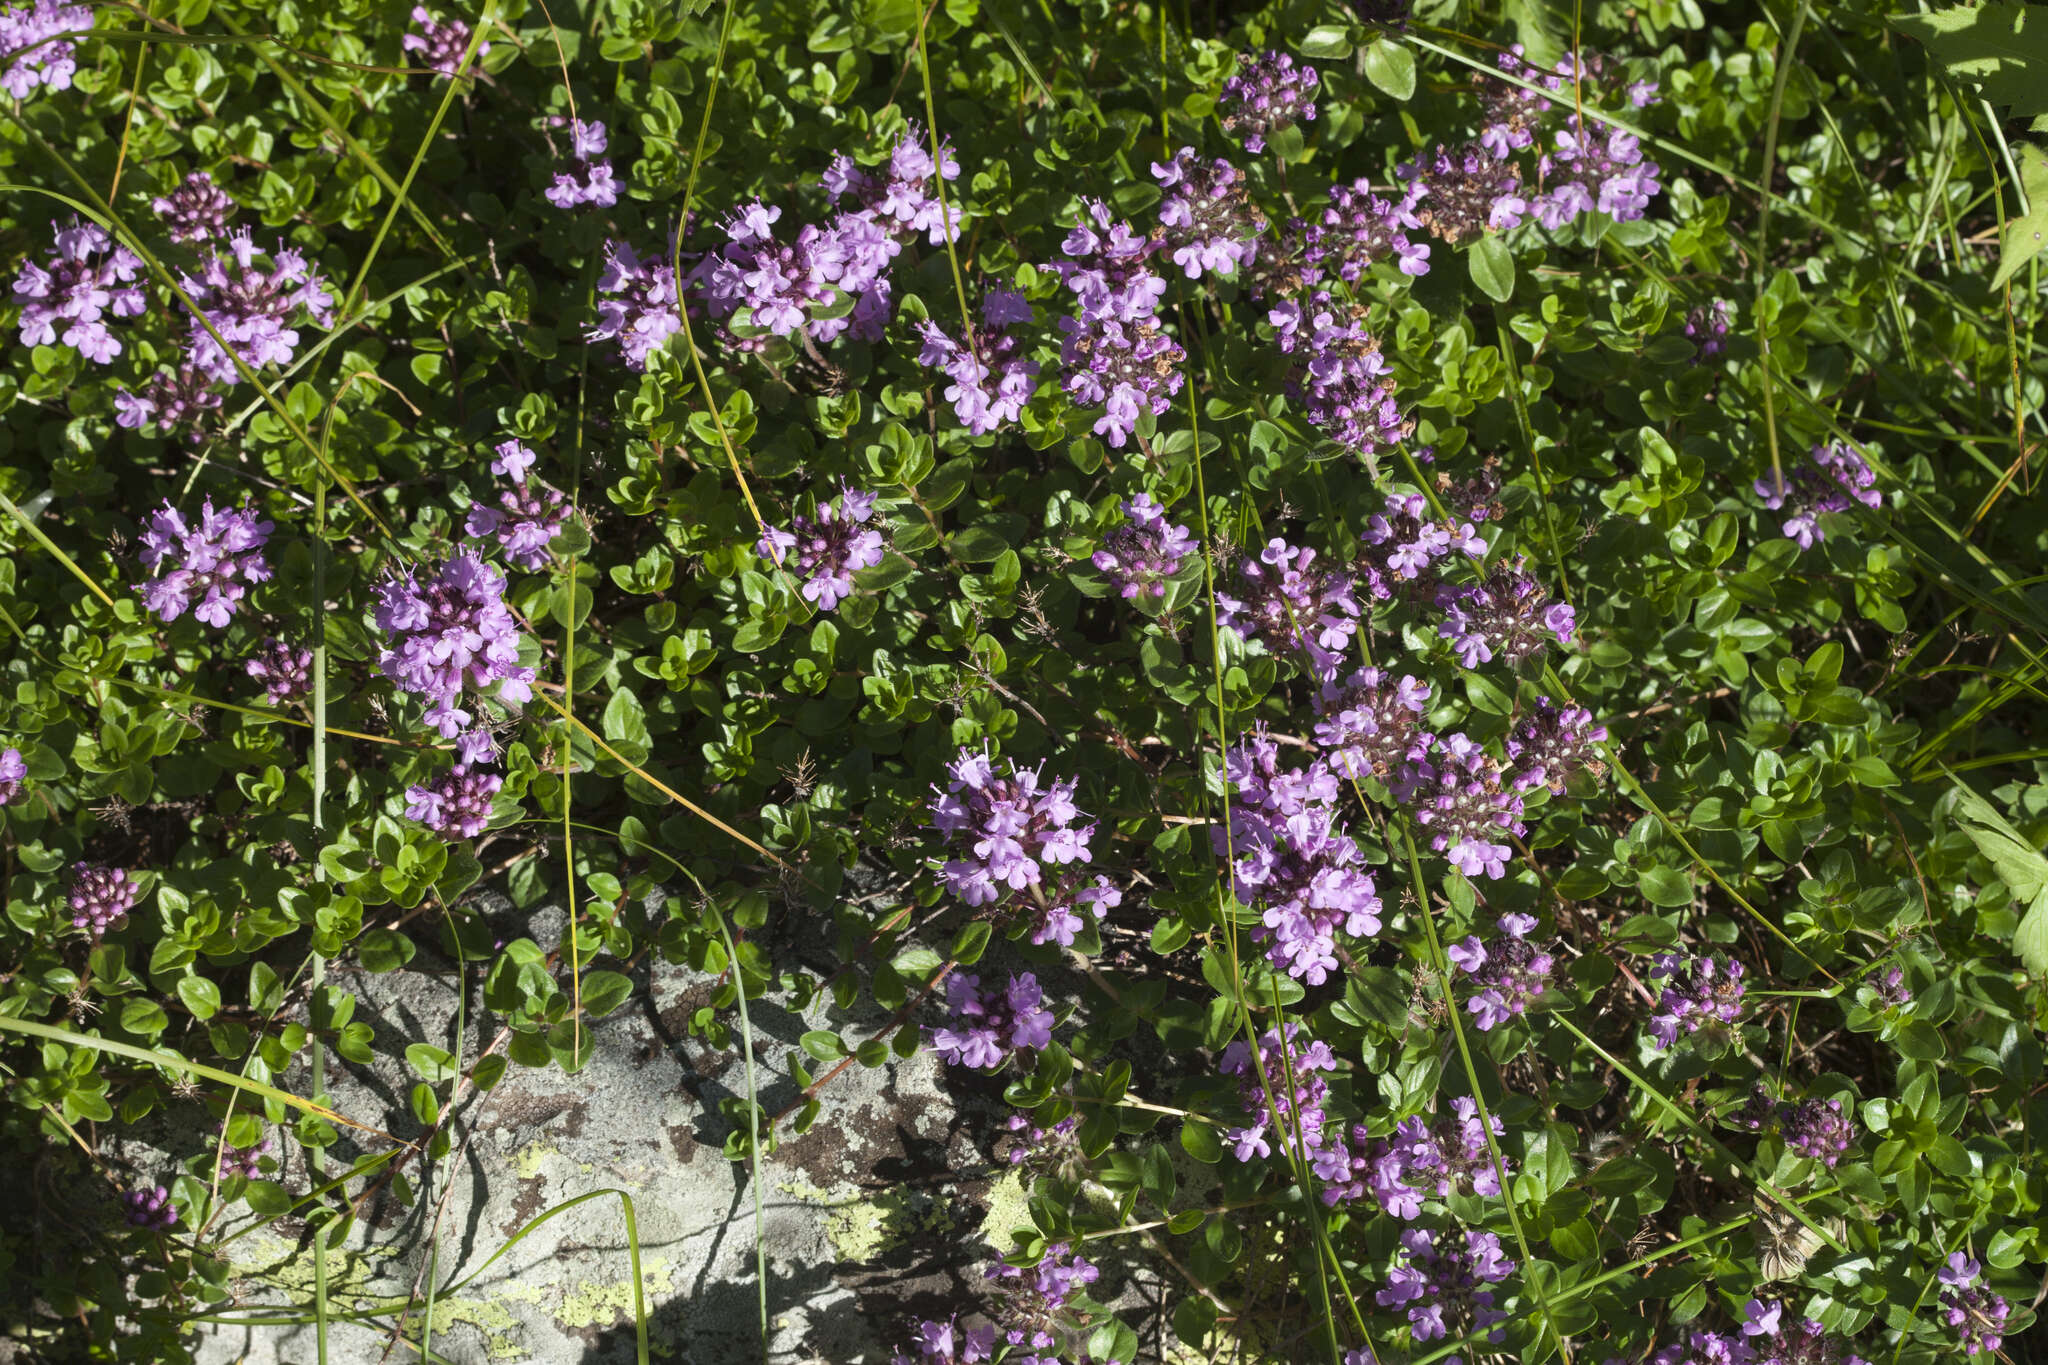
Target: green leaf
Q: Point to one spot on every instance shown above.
(1666, 886)
(1391, 67)
(604, 992)
(824, 1044)
(432, 1064)
(1329, 41)
(978, 545)
(2020, 866)
(1199, 1141)
(2025, 236)
(1493, 268)
(2000, 47)
(201, 996)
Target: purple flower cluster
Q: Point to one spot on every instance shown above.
(1458, 193)
(1115, 353)
(1770, 1336)
(86, 277)
(196, 211)
(986, 1026)
(829, 546)
(1368, 722)
(1401, 548)
(528, 515)
(171, 400)
(792, 286)
(1506, 615)
(29, 32)
(13, 772)
(1281, 599)
(1586, 167)
(589, 178)
(100, 896)
(1361, 228)
(1211, 224)
(450, 632)
(1697, 991)
(1145, 552)
(250, 306)
(1509, 972)
(149, 1209)
(1269, 92)
(244, 1161)
(1458, 792)
(1890, 984)
(1554, 743)
(207, 569)
(1975, 1313)
(1342, 381)
(1813, 1128)
(1706, 327)
(440, 45)
(1068, 906)
(1448, 1157)
(459, 800)
(639, 309)
(1043, 1148)
(1836, 479)
(1011, 825)
(948, 1343)
(1295, 862)
(992, 377)
(1299, 1106)
(1439, 1286)
(284, 669)
(1033, 1301)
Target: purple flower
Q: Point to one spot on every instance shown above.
(28, 36)
(149, 1209)
(1706, 327)
(100, 897)
(196, 211)
(639, 310)
(1439, 1285)
(1457, 195)
(986, 1026)
(1369, 722)
(948, 1343)
(13, 772)
(1211, 224)
(1509, 973)
(1068, 907)
(1044, 1149)
(1115, 353)
(1034, 1294)
(1554, 743)
(1296, 864)
(85, 277)
(1457, 792)
(170, 400)
(1448, 1156)
(1697, 991)
(459, 800)
(244, 1161)
(1011, 826)
(208, 569)
(1339, 376)
(1506, 616)
(1295, 1112)
(285, 670)
(513, 460)
(1281, 599)
(451, 632)
(1891, 988)
(993, 378)
(1269, 92)
(1836, 479)
(250, 306)
(589, 178)
(526, 519)
(1145, 552)
(1402, 548)
(441, 45)
(1771, 1336)
(828, 547)
(1360, 228)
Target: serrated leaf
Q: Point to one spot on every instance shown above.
(2001, 48)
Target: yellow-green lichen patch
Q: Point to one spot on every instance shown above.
(527, 1160)
(592, 1304)
(1009, 1208)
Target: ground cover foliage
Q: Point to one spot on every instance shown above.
(1447, 637)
